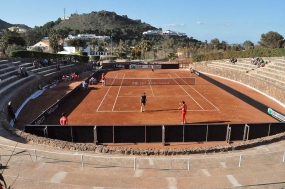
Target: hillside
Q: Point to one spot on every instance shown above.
(4, 25)
(105, 23)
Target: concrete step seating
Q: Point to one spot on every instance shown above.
(240, 65)
(269, 79)
(276, 67)
(272, 73)
(7, 88)
(8, 69)
(218, 66)
(8, 74)
(8, 80)
(4, 66)
(53, 69)
(16, 63)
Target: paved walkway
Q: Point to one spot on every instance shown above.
(37, 166)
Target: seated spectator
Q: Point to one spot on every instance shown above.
(252, 60)
(40, 87)
(57, 67)
(85, 84)
(19, 71)
(35, 64)
(75, 76)
(92, 81)
(233, 60)
(64, 77)
(261, 63)
(24, 72)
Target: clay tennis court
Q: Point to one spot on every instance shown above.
(120, 104)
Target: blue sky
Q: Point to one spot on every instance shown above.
(233, 21)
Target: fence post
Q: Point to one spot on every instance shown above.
(284, 156)
(135, 165)
(95, 134)
(82, 161)
(163, 135)
(188, 163)
(239, 163)
(35, 152)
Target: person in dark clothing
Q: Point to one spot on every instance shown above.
(143, 102)
(11, 112)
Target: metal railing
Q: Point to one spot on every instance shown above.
(191, 162)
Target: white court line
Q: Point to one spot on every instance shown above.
(106, 94)
(138, 173)
(206, 172)
(151, 89)
(233, 180)
(199, 93)
(160, 110)
(187, 93)
(172, 183)
(58, 177)
(118, 93)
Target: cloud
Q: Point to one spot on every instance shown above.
(200, 23)
(174, 25)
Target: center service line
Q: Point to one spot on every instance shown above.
(118, 93)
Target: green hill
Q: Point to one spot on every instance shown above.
(4, 25)
(105, 23)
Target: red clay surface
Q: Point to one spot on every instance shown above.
(120, 105)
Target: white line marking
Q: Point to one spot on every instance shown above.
(106, 94)
(206, 172)
(150, 161)
(160, 111)
(233, 180)
(224, 165)
(199, 93)
(151, 89)
(118, 93)
(58, 177)
(42, 165)
(98, 187)
(172, 184)
(138, 173)
(187, 93)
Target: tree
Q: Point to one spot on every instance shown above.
(53, 40)
(171, 56)
(3, 46)
(271, 40)
(248, 45)
(215, 44)
(32, 37)
(77, 43)
(14, 47)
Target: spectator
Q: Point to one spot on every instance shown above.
(11, 112)
(57, 67)
(75, 76)
(85, 84)
(63, 120)
(92, 81)
(24, 72)
(19, 71)
(40, 87)
(261, 63)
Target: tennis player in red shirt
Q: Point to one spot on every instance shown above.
(63, 120)
(183, 108)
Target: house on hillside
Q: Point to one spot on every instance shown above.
(44, 45)
(17, 29)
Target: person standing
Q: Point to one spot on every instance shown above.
(191, 71)
(143, 102)
(11, 112)
(152, 68)
(103, 79)
(183, 108)
(63, 120)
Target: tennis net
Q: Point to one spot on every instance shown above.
(150, 81)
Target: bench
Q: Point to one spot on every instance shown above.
(8, 74)
(8, 80)
(8, 69)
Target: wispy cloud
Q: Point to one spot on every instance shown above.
(200, 23)
(174, 25)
